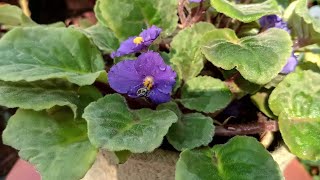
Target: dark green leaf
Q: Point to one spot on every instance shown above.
(55, 144)
(242, 158)
(206, 94)
(113, 126)
(40, 53)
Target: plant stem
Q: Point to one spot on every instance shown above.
(181, 14)
(246, 129)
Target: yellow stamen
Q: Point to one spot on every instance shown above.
(138, 40)
(148, 82)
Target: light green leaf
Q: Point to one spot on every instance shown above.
(258, 58)
(40, 53)
(297, 102)
(303, 25)
(113, 126)
(55, 144)
(13, 16)
(103, 37)
(128, 17)
(191, 130)
(206, 94)
(186, 57)
(38, 95)
(246, 12)
(260, 99)
(241, 158)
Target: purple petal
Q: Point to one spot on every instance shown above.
(127, 47)
(150, 34)
(158, 97)
(149, 64)
(291, 65)
(195, 1)
(152, 64)
(123, 77)
(275, 21)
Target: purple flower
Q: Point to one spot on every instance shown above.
(137, 43)
(148, 76)
(291, 64)
(195, 1)
(275, 21)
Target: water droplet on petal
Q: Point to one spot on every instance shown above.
(162, 68)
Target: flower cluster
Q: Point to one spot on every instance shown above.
(274, 21)
(148, 75)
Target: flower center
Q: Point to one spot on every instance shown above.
(138, 40)
(148, 82)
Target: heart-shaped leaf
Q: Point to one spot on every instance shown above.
(39, 53)
(246, 12)
(13, 16)
(55, 144)
(206, 94)
(303, 25)
(191, 130)
(186, 57)
(128, 17)
(297, 102)
(258, 58)
(113, 126)
(241, 158)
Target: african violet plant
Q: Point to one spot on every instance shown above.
(150, 70)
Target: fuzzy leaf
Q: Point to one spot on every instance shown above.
(38, 95)
(55, 144)
(128, 17)
(40, 53)
(113, 126)
(246, 12)
(187, 59)
(258, 58)
(206, 94)
(297, 102)
(303, 25)
(241, 158)
(191, 130)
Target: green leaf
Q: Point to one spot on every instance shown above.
(187, 59)
(258, 58)
(260, 99)
(191, 130)
(113, 126)
(40, 53)
(297, 102)
(13, 16)
(103, 37)
(303, 25)
(206, 94)
(38, 95)
(128, 17)
(55, 144)
(122, 156)
(241, 158)
(246, 12)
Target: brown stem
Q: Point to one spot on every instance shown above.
(181, 14)
(246, 129)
